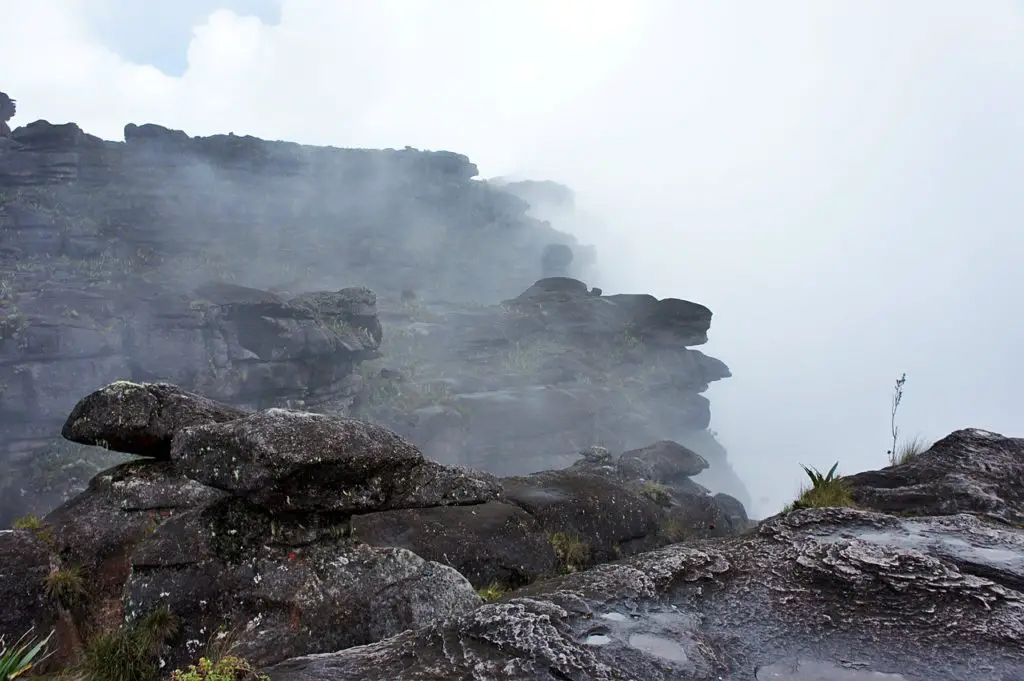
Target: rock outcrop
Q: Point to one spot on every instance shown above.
(525, 385)
(815, 594)
(301, 532)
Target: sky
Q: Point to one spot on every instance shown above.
(837, 181)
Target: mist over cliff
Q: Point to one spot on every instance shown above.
(388, 284)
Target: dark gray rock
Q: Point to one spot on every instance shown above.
(970, 470)
(282, 589)
(299, 461)
(811, 591)
(24, 565)
(491, 543)
(141, 418)
(665, 461)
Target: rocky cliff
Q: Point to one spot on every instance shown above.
(344, 281)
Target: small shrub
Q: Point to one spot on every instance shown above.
(491, 592)
(573, 553)
(229, 668)
(66, 587)
(22, 655)
(826, 491)
(657, 492)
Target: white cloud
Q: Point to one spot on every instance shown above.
(838, 181)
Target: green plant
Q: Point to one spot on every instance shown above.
(826, 491)
(35, 525)
(573, 553)
(229, 668)
(67, 588)
(897, 397)
(129, 653)
(657, 492)
(908, 449)
(22, 655)
(491, 592)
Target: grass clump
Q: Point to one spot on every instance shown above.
(492, 592)
(19, 657)
(826, 491)
(66, 587)
(657, 492)
(129, 653)
(909, 449)
(573, 553)
(228, 668)
(674, 530)
(36, 525)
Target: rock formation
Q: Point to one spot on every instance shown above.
(239, 268)
(306, 533)
(328, 548)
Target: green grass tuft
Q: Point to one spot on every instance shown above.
(826, 491)
(492, 592)
(573, 553)
(909, 449)
(66, 587)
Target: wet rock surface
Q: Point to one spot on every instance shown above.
(820, 594)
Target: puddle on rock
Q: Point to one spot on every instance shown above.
(658, 646)
(812, 670)
(598, 640)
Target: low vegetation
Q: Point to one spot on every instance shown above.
(827, 490)
(21, 656)
(573, 553)
(66, 587)
(657, 492)
(229, 668)
(492, 592)
(129, 653)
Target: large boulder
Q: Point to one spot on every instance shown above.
(24, 565)
(297, 461)
(141, 418)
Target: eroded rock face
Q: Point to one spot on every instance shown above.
(812, 590)
(970, 470)
(285, 587)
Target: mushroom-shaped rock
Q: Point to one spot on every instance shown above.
(298, 461)
(665, 460)
(141, 418)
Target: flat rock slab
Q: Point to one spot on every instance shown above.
(298, 461)
(141, 418)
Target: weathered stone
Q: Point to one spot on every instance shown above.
(298, 461)
(664, 461)
(323, 595)
(970, 470)
(141, 418)
(24, 565)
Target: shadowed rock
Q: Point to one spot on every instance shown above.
(141, 418)
(298, 461)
